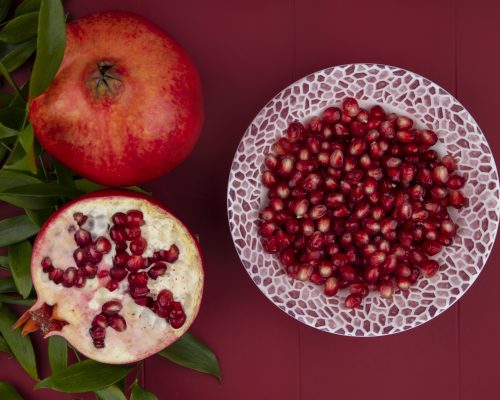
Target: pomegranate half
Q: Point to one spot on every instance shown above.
(125, 106)
(117, 275)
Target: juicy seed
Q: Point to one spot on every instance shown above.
(82, 237)
(135, 263)
(121, 259)
(139, 291)
(99, 343)
(102, 245)
(47, 264)
(119, 219)
(100, 320)
(69, 277)
(90, 270)
(138, 278)
(135, 218)
(171, 255)
(132, 232)
(353, 301)
(81, 279)
(165, 298)
(117, 234)
(118, 273)
(80, 256)
(111, 307)
(97, 332)
(112, 285)
(157, 269)
(79, 218)
(138, 246)
(117, 322)
(56, 275)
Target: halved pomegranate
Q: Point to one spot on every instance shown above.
(117, 275)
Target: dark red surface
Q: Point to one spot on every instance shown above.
(246, 51)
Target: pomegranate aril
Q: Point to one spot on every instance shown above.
(403, 283)
(438, 192)
(69, 277)
(100, 320)
(112, 285)
(311, 182)
(440, 174)
(80, 218)
(403, 270)
(47, 264)
(348, 273)
(80, 256)
(121, 259)
(359, 288)
(117, 234)
(82, 237)
(89, 270)
(429, 268)
(93, 254)
(171, 255)
(323, 224)
(403, 122)
(304, 272)
(111, 307)
(97, 332)
(135, 218)
(117, 322)
(144, 301)
(81, 279)
(132, 232)
(456, 199)
(455, 182)
(102, 245)
(353, 301)
(286, 166)
(118, 273)
(271, 161)
(448, 228)
(283, 190)
(267, 229)
(295, 131)
(427, 137)
(431, 247)
(448, 162)
(157, 269)
(138, 278)
(138, 246)
(138, 291)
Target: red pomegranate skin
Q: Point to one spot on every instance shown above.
(145, 126)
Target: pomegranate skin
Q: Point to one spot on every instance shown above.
(77, 324)
(140, 130)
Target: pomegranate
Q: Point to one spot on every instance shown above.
(125, 106)
(358, 200)
(117, 275)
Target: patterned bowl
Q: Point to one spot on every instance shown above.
(430, 106)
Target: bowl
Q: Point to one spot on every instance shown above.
(430, 106)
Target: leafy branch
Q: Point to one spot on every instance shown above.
(38, 185)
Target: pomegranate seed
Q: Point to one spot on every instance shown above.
(268, 179)
(372, 273)
(267, 214)
(118, 273)
(392, 162)
(311, 182)
(456, 199)
(271, 162)
(340, 212)
(89, 269)
(282, 240)
(119, 219)
(286, 166)
(440, 174)
(403, 270)
(112, 307)
(117, 322)
(357, 147)
(331, 115)
(138, 291)
(100, 320)
(135, 263)
(157, 269)
(337, 158)
(144, 301)
(138, 278)
(138, 246)
(165, 298)
(323, 224)
(117, 234)
(171, 255)
(315, 124)
(388, 225)
(361, 238)
(405, 136)
(102, 245)
(448, 228)
(340, 130)
(386, 289)
(390, 264)
(429, 268)
(267, 229)
(449, 163)
(408, 172)
(438, 192)
(316, 241)
(80, 218)
(350, 107)
(112, 285)
(304, 272)
(353, 301)
(403, 283)
(348, 273)
(295, 131)
(82, 237)
(331, 286)
(377, 258)
(97, 332)
(431, 247)
(455, 182)
(305, 166)
(359, 288)
(47, 265)
(361, 210)
(429, 138)
(317, 279)
(404, 123)
(69, 277)
(301, 207)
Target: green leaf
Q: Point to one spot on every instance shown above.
(20, 28)
(85, 376)
(10, 81)
(64, 174)
(6, 132)
(20, 345)
(12, 116)
(110, 393)
(139, 393)
(191, 353)
(19, 55)
(5, 98)
(8, 392)
(50, 45)
(27, 6)
(58, 354)
(19, 260)
(38, 217)
(18, 301)
(27, 138)
(12, 179)
(4, 8)
(4, 347)
(16, 229)
(42, 190)
(4, 263)
(7, 285)
(88, 186)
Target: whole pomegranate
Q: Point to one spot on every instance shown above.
(126, 104)
(117, 275)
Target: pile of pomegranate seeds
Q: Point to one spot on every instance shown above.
(358, 200)
(125, 233)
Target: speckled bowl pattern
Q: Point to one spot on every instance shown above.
(430, 106)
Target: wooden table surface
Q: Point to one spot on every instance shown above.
(247, 51)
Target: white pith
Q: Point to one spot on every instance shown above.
(146, 333)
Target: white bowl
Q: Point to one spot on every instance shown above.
(459, 135)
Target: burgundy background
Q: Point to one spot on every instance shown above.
(247, 51)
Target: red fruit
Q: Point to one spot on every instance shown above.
(82, 237)
(268, 179)
(429, 138)
(449, 163)
(99, 77)
(405, 136)
(386, 289)
(456, 199)
(304, 272)
(429, 268)
(350, 107)
(79, 294)
(295, 131)
(331, 115)
(440, 174)
(353, 301)
(102, 245)
(455, 182)
(431, 247)
(138, 246)
(331, 286)
(404, 123)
